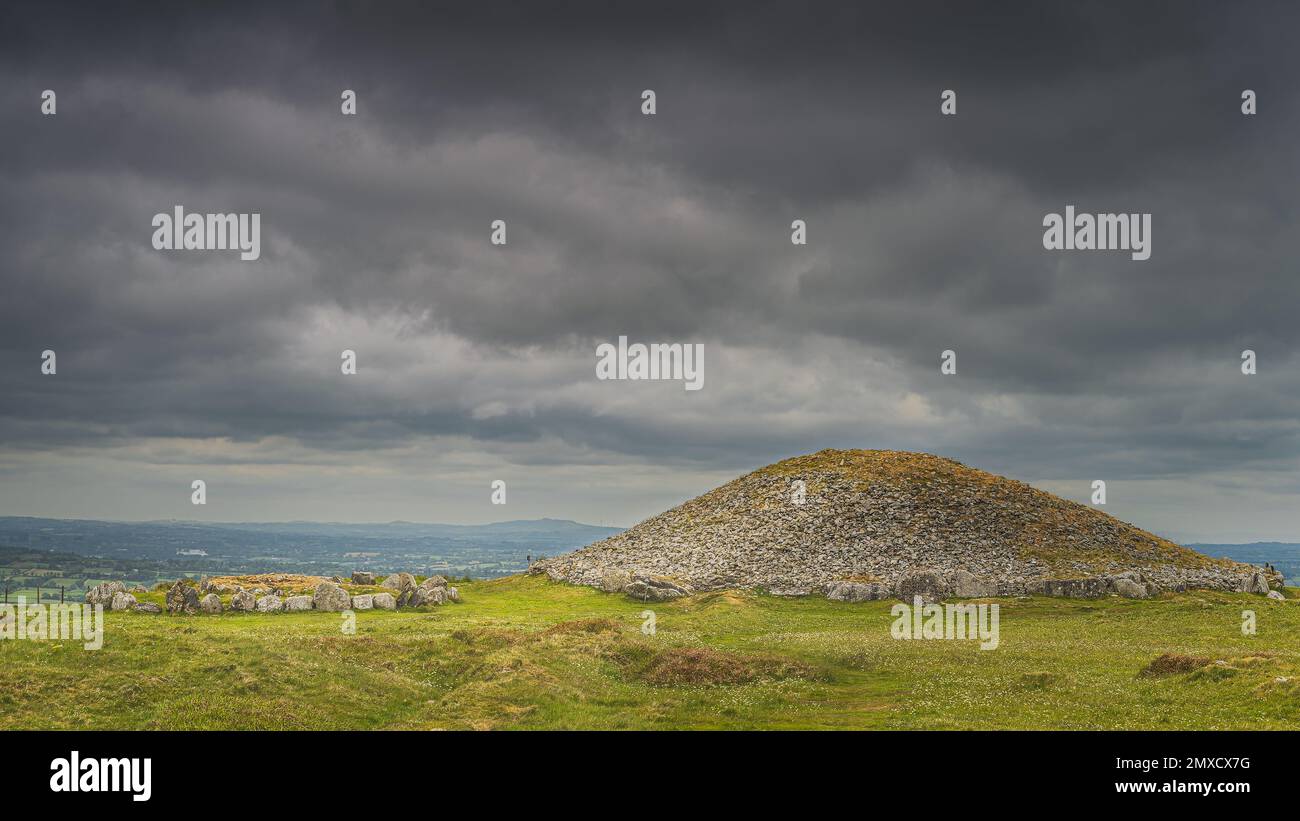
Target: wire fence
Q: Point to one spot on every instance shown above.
(51, 593)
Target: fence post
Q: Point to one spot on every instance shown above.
(60, 594)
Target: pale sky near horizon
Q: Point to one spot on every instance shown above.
(476, 362)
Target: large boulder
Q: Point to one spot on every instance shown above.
(655, 588)
(210, 604)
(122, 601)
(1276, 595)
(147, 607)
(428, 595)
(1257, 583)
(298, 603)
(453, 595)
(966, 585)
(384, 601)
(363, 577)
(329, 596)
(181, 598)
(856, 591)
(243, 600)
(269, 604)
(363, 602)
(398, 581)
(434, 581)
(403, 587)
(1130, 589)
(103, 593)
(1134, 584)
(927, 584)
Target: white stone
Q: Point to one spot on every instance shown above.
(269, 604)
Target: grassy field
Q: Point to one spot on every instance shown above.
(526, 653)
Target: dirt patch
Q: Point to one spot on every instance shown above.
(1172, 664)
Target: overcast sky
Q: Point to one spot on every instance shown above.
(477, 362)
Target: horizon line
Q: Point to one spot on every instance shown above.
(299, 521)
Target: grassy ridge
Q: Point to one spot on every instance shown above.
(523, 652)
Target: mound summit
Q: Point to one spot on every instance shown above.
(870, 522)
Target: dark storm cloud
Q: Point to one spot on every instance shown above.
(925, 231)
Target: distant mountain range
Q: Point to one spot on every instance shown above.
(326, 548)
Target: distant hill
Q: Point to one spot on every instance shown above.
(320, 548)
(1285, 556)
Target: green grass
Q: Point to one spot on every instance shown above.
(525, 653)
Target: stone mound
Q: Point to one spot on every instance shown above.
(813, 522)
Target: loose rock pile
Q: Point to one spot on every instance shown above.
(183, 598)
(862, 525)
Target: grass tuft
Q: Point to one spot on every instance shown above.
(1173, 664)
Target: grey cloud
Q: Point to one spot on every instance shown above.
(924, 234)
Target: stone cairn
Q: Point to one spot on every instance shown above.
(866, 525)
